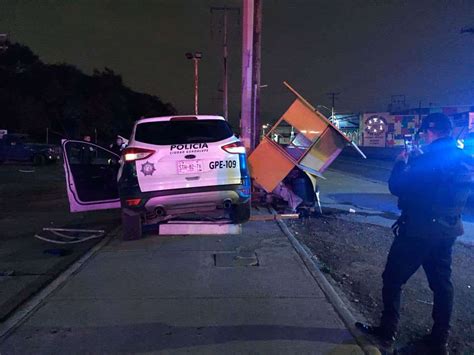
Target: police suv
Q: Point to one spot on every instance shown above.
(173, 166)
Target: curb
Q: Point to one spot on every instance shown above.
(329, 291)
(27, 309)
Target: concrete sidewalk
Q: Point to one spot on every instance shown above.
(249, 293)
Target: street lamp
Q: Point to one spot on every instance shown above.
(196, 57)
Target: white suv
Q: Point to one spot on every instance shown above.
(173, 166)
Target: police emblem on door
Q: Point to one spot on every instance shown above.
(148, 169)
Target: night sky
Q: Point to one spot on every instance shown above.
(367, 50)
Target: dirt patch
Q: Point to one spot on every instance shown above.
(354, 255)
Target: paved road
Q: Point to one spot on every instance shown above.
(32, 198)
(360, 185)
(378, 170)
(203, 294)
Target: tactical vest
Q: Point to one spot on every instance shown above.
(433, 189)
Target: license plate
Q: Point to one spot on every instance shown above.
(190, 167)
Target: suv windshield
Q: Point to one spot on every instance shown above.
(175, 132)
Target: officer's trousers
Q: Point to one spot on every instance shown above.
(406, 255)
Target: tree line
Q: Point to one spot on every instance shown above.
(35, 96)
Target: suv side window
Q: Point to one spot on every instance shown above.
(86, 154)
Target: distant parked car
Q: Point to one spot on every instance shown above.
(172, 166)
(19, 147)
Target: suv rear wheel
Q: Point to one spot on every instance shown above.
(240, 213)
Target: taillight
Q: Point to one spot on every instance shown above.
(234, 148)
(132, 154)
(133, 202)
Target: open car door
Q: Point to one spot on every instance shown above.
(91, 176)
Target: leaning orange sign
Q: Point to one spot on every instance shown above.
(314, 142)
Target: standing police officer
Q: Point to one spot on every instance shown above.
(432, 188)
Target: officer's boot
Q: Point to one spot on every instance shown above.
(385, 337)
(437, 342)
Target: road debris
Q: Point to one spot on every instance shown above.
(73, 230)
(27, 171)
(77, 237)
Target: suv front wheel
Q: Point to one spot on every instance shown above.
(240, 213)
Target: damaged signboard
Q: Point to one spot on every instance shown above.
(313, 144)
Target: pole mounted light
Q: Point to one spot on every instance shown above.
(196, 57)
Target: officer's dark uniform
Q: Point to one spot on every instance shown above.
(432, 189)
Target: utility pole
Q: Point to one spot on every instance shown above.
(333, 96)
(224, 82)
(247, 68)
(257, 60)
(225, 55)
(251, 62)
(196, 85)
(196, 57)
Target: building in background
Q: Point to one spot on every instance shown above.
(348, 123)
(391, 129)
